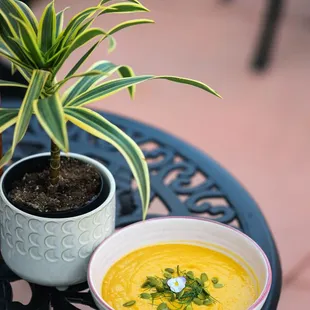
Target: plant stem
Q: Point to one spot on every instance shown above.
(54, 164)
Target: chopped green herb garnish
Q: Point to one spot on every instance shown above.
(178, 290)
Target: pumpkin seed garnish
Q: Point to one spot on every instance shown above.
(167, 275)
(204, 277)
(170, 270)
(145, 296)
(129, 303)
(195, 290)
(163, 306)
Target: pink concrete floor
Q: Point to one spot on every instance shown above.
(259, 132)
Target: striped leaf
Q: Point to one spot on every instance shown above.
(81, 40)
(59, 38)
(112, 45)
(8, 118)
(84, 84)
(60, 21)
(70, 31)
(56, 57)
(47, 28)
(111, 87)
(11, 84)
(9, 8)
(13, 69)
(7, 32)
(82, 60)
(106, 1)
(14, 51)
(85, 37)
(14, 60)
(28, 37)
(98, 126)
(84, 26)
(25, 72)
(106, 89)
(58, 85)
(36, 85)
(50, 114)
(129, 24)
(28, 15)
(124, 7)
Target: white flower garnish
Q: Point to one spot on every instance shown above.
(176, 284)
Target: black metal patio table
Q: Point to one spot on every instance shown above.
(184, 180)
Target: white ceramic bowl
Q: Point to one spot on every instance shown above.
(176, 229)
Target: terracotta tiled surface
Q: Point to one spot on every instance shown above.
(259, 132)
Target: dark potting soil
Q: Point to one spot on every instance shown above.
(79, 184)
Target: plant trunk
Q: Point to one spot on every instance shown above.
(54, 164)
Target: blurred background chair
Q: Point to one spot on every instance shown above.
(267, 35)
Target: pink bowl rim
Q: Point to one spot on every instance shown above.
(260, 298)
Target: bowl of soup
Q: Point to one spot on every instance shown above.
(179, 263)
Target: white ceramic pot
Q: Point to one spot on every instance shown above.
(179, 229)
(54, 251)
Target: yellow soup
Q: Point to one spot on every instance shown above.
(123, 281)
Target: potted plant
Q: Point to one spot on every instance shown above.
(57, 207)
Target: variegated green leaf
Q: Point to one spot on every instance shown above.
(54, 60)
(124, 7)
(58, 85)
(11, 84)
(60, 21)
(8, 32)
(14, 60)
(98, 126)
(28, 37)
(84, 84)
(106, 1)
(8, 118)
(70, 32)
(10, 7)
(106, 89)
(84, 26)
(112, 45)
(129, 24)
(13, 50)
(47, 28)
(111, 87)
(28, 15)
(82, 60)
(85, 37)
(13, 69)
(36, 85)
(25, 72)
(81, 40)
(50, 113)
